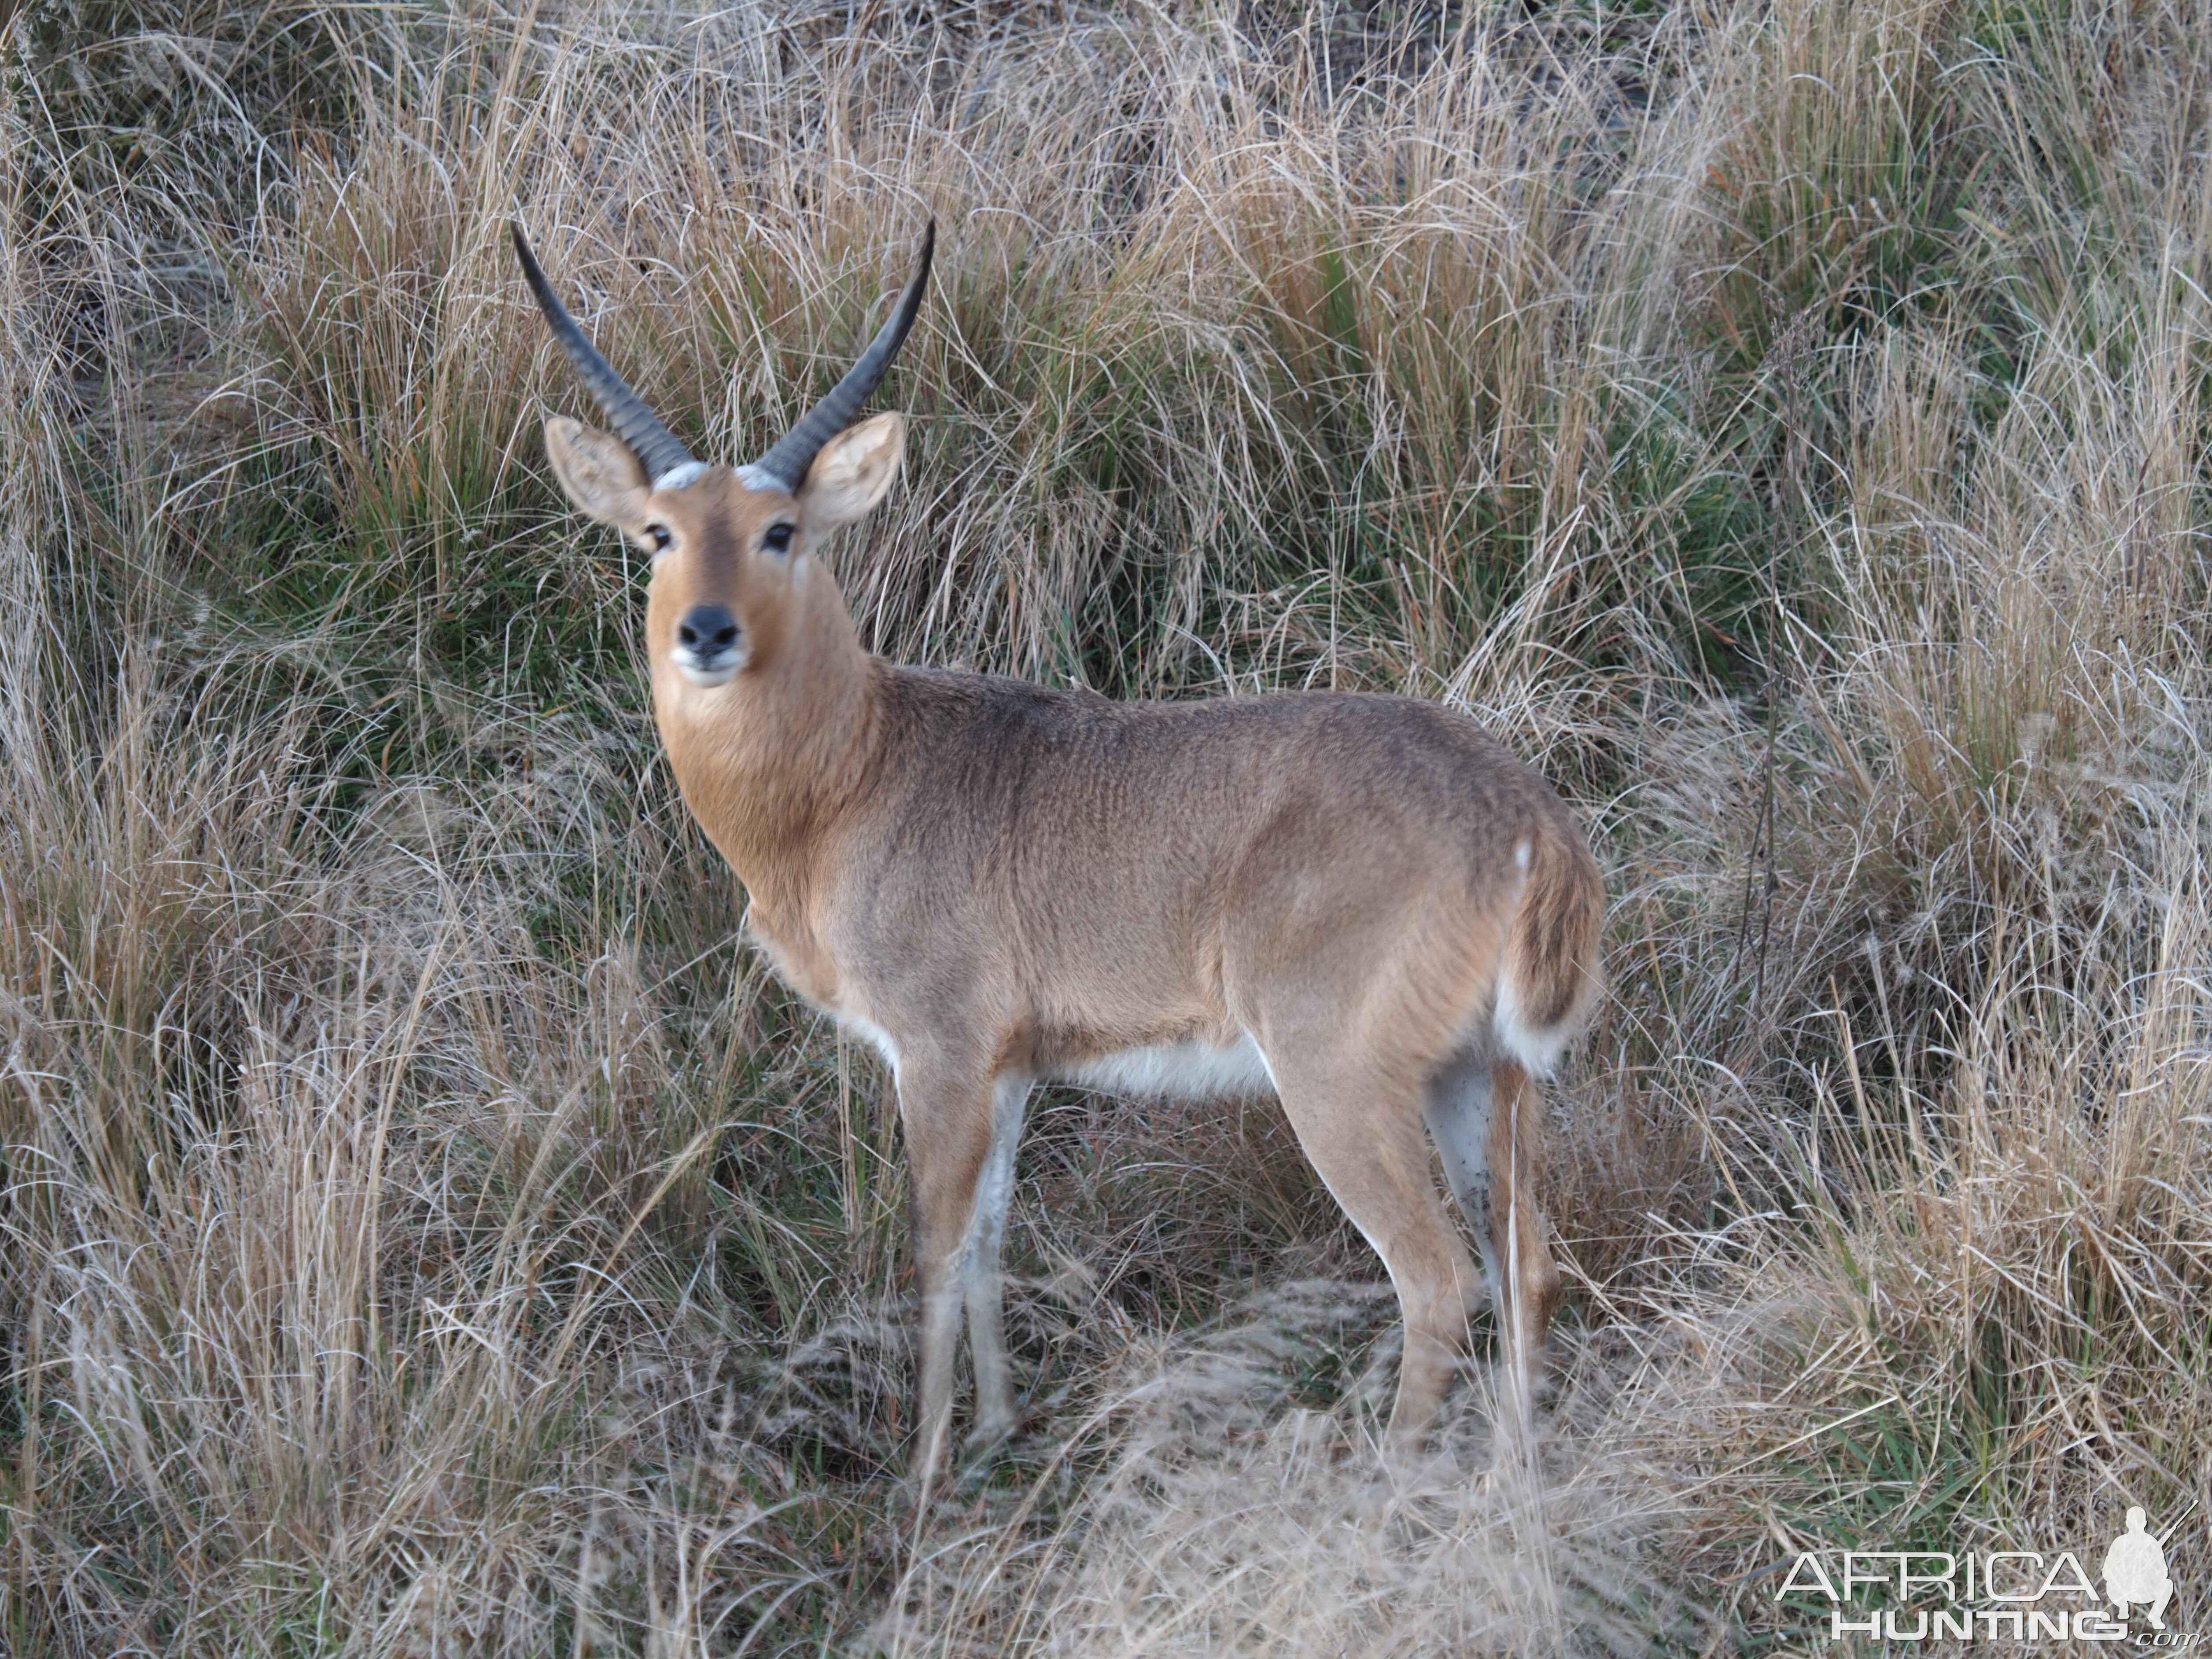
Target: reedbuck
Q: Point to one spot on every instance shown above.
(1362, 905)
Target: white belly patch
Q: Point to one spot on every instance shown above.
(1190, 1070)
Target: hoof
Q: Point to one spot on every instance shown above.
(988, 1436)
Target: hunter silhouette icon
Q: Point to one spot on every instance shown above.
(2134, 1571)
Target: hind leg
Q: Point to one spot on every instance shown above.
(1458, 1110)
(1359, 1121)
(1487, 1122)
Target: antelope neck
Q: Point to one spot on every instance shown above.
(768, 763)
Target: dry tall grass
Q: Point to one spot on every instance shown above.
(428, 1231)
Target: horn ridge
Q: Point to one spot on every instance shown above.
(657, 449)
(784, 464)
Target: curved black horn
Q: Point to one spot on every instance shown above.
(785, 465)
(654, 446)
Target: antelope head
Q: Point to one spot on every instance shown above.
(728, 544)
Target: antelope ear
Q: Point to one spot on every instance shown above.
(852, 473)
(602, 477)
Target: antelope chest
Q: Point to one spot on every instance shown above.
(799, 957)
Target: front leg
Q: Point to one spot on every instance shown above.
(987, 1326)
(945, 1107)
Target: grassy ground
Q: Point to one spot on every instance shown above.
(425, 1229)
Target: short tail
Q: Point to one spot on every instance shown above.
(1550, 978)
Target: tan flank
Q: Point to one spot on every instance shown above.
(1364, 904)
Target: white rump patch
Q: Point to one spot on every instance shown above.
(1190, 1070)
(1521, 856)
(1537, 1049)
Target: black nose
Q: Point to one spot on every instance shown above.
(706, 631)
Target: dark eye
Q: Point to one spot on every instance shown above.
(778, 539)
(659, 534)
